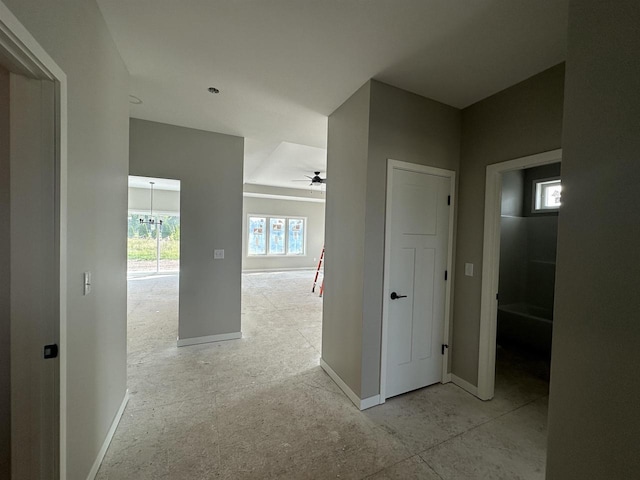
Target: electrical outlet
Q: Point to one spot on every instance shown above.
(218, 254)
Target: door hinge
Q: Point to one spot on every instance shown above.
(445, 275)
(51, 351)
(448, 199)
(444, 345)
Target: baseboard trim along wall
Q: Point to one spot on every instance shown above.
(361, 404)
(463, 384)
(185, 342)
(287, 269)
(107, 441)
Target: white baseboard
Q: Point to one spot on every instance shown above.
(105, 445)
(361, 404)
(463, 384)
(184, 342)
(446, 378)
(272, 270)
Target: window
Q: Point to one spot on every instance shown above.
(277, 235)
(548, 195)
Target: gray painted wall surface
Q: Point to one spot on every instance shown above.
(5, 267)
(314, 213)
(407, 127)
(75, 35)
(347, 149)
(209, 167)
(377, 123)
(522, 120)
(594, 420)
(164, 201)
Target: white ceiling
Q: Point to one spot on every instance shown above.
(283, 66)
(159, 183)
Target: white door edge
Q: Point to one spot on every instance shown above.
(491, 264)
(413, 167)
(28, 58)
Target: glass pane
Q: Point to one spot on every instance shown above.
(276, 236)
(170, 243)
(257, 235)
(141, 244)
(552, 195)
(296, 236)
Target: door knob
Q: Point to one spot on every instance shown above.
(395, 296)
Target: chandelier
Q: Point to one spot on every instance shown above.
(151, 220)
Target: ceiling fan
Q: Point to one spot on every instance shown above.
(315, 180)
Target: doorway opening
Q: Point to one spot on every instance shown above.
(522, 203)
(153, 270)
(33, 191)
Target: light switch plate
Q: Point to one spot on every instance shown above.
(468, 269)
(218, 254)
(87, 283)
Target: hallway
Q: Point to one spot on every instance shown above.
(261, 407)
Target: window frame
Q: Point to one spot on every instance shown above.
(538, 194)
(267, 240)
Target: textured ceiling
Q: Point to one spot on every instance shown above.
(282, 66)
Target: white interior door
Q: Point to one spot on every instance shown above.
(415, 317)
(34, 280)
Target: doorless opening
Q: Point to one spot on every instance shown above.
(491, 264)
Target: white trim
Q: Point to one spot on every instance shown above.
(272, 196)
(451, 175)
(360, 404)
(221, 337)
(107, 441)
(268, 270)
(29, 58)
(463, 384)
(491, 264)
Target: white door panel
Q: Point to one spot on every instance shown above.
(419, 230)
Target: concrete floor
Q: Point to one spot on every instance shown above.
(261, 407)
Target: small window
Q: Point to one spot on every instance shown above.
(276, 235)
(548, 195)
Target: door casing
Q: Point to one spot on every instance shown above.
(491, 265)
(21, 54)
(413, 167)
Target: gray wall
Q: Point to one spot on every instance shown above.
(594, 420)
(522, 120)
(164, 201)
(314, 213)
(5, 264)
(347, 150)
(75, 35)
(209, 167)
(377, 123)
(407, 127)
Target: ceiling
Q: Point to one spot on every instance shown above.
(158, 183)
(282, 66)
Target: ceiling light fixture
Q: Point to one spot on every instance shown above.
(213, 90)
(151, 220)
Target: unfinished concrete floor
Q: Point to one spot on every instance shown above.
(261, 407)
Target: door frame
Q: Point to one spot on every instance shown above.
(22, 54)
(451, 175)
(491, 264)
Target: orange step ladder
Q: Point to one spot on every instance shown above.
(315, 280)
